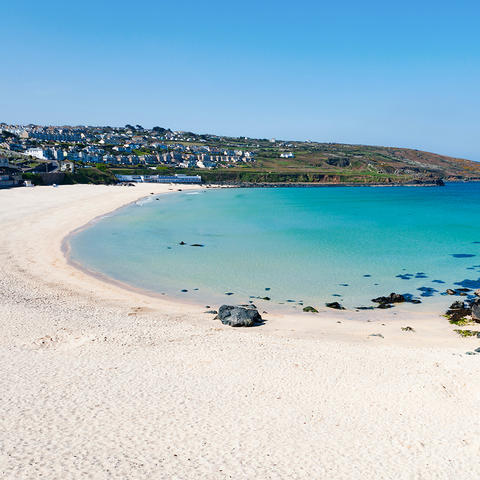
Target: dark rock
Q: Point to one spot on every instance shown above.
(376, 335)
(182, 243)
(229, 293)
(476, 310)
(392, 298)
(197, 245)
(364, 308)
(449, 291)
(385, 305)
(414, 300)
(213, 312)
(439, 182)
(458, 310)
(310, 309)
(334, 305)
(265, 298)
(239, 316)
(184, 290)
(408, 329)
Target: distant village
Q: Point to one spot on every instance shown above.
(42, 150)
(127, 145)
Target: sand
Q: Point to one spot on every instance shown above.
(102, 382)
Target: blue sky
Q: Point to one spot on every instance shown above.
(374, 72)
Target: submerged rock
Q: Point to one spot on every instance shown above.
(334, 305)
(239, 316)
(310, 309)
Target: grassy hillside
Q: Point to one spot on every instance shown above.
(327, 163)
(331, 163)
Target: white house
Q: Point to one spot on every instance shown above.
(37, 153)
(206, 164)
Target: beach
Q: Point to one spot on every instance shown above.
(102, 381)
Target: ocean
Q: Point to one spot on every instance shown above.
(295, 246)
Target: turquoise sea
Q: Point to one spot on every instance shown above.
(293, 245)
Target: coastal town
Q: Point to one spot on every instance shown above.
(46, 155)
(129, 145)
(37, 149)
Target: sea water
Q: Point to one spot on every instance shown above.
(293, 245)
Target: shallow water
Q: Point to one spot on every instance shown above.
(308, 245)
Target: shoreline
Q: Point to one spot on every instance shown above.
(432, 308)
(101, 381)
(318, 184)
(279, 321)
(288, 316)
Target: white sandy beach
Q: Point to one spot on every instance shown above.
(102, 382)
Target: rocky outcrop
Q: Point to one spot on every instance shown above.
(392, 298)
(239, 315)
(387, 302)
(310, 309)
(458, 311)
(334, 305)
(476, 310)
